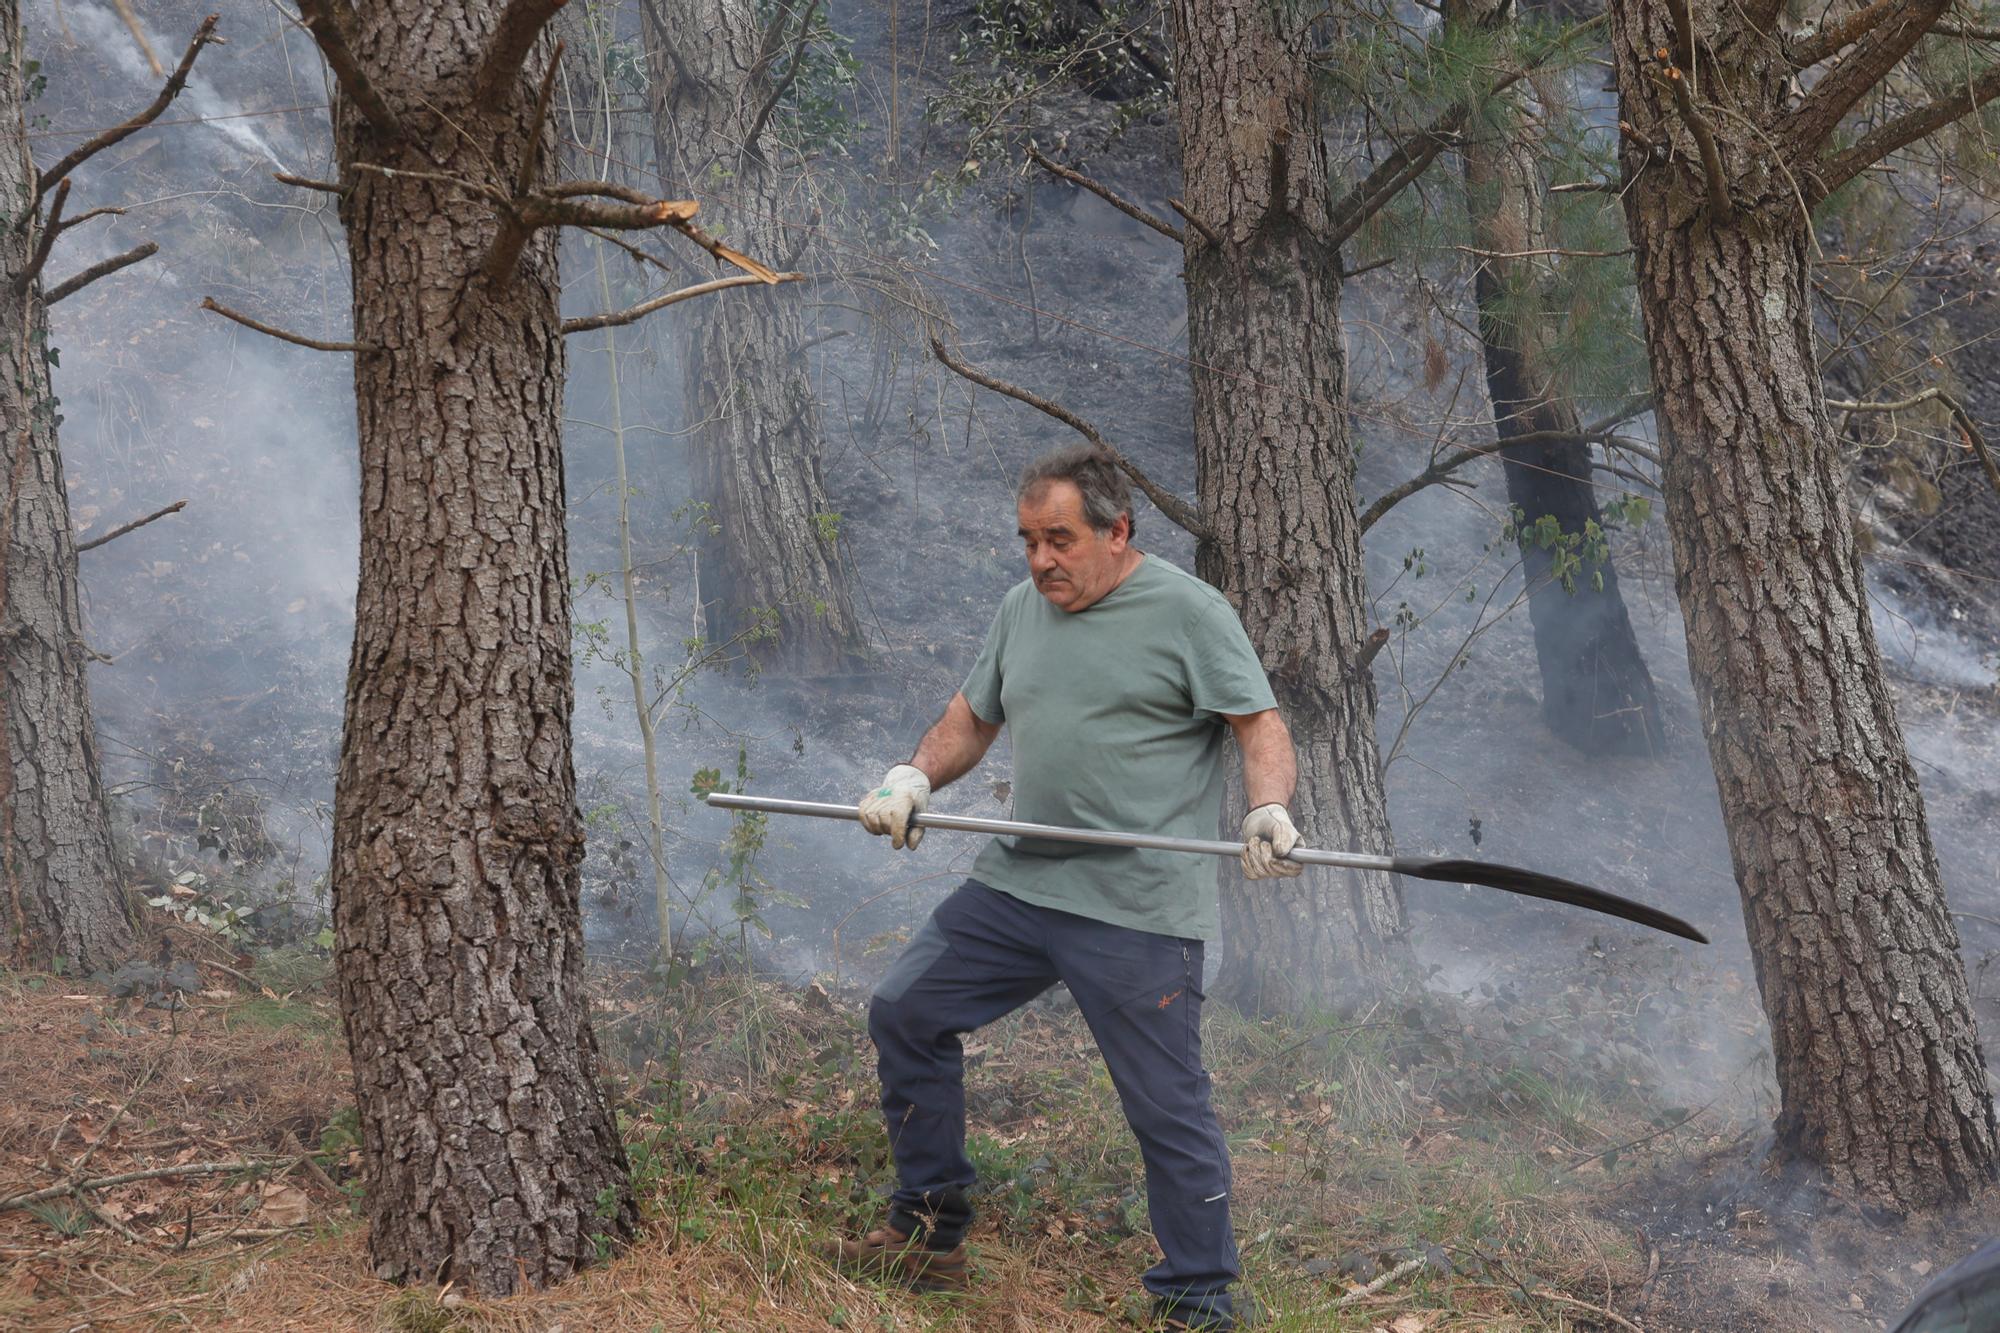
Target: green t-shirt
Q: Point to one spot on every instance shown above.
(1116, 718)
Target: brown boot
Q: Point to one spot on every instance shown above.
(887, 1252)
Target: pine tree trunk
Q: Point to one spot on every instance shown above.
(1275, 474)
(59, 887)
(492, 1158)
(1596, 692)
(773, 555)
(1856, 952)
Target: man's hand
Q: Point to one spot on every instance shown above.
(1267, 835)
(904, 791)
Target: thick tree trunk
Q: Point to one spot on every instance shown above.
(752, 421)
(1856, 952)
(59, 887)
(1275, 473)
(492, 1158)
(1596, 692)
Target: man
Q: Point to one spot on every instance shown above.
(1120, 676)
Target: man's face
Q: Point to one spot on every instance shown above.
(1072, 563)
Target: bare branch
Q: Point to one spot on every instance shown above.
(331, 24)
(107, 211)
(308, 183)
(513, 37)
(569, 205)
(103, 268)
(1720, 208)
(1907, 128)
(318, 345)
(784, 86)
(1975, 439)
(136, 523)
(1441, 470)
(76, 157)
(1207, 232)
(1809, 126)
(1175, 508)
(1840, 34)
(124, 8)
(51, 228)
(126, 1178)
(1117, 201)
(623, 317)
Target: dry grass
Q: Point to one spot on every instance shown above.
(749, 1113)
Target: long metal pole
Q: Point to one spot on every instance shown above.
(1508, 879)
(1012, 828)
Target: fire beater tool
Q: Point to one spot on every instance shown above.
(1510, 879)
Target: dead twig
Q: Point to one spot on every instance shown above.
(51, 228)
(124, 8)
(1208, 233)
(129, 527)
(126, 1178)
(1975, 439)
(1396, 1274)
(318, 345)
(76, 157)
(308, 183)
(103, 268)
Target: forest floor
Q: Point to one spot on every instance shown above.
(1505, 1150)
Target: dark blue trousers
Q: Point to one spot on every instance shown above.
(983, 954)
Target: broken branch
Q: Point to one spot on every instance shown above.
(104, 268)
(513, 37)
(76, 157)
(331, 23)
(1175, 508)
(126, 1178)
(1109, 196)
(308, 183)
(1721, 210)
(318, 345)
(644, 308)
(136, 523)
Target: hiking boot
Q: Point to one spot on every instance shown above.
(905, 1258)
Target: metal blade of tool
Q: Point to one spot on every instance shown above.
(1509, 879)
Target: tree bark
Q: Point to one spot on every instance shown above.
(1596, 692)
(1856, 952)
(1275, 474)
(62, 900)
(492, 1158)
(770, 546)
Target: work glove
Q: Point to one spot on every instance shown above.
(904, 791)
(1267, 835)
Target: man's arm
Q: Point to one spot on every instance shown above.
(1270, 773)
(956, 743)
(1270, 768)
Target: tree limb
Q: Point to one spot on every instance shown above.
(1720, 208)
(569, 205)
(1180, 511)
(1975, 439)
(784, 85)
(1807, 51)
(81, 218)
(1907, 128)
(1438, 471)
(1117, 201)
(621, 318)
(531, 160)
(124, 8)
(136, 523)
(51, 228)
(1207, 232)
(210, 303)
(513, 37)
(1808, 127)
(104, 268)
(331, 24)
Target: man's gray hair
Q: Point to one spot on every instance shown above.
(1097, 479)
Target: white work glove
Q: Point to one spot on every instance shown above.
(1267, 835)
(903, 791)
